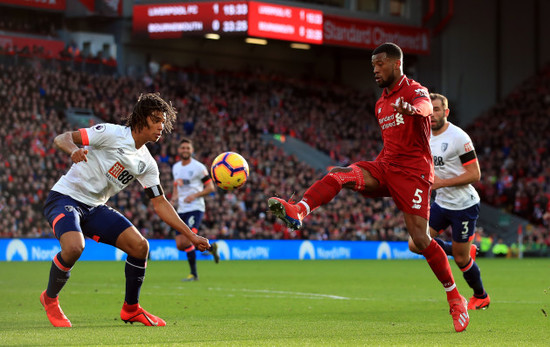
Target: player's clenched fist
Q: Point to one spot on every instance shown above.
(201, 243)
(79, 155)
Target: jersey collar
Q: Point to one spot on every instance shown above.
(396, 88)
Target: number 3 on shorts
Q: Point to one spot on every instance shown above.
(417, 197)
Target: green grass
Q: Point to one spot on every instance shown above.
(279, 303)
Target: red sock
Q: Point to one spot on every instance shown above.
(320, 193)
(437, 259)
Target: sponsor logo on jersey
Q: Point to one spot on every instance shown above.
(391, 121)
(468, 147)
(99, 128)
(444, 146)
(119, 175)
(116, 170)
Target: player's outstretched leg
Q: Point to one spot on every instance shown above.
(320, 193)
(437, 259)
(287, 212)
(459, 312)
(54, 312)
(135, 313)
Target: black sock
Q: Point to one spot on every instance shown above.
(472, 275)
(447, 246)
(59, 275)
(135, 272)
(192, 259)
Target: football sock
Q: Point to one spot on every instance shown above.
(447, 246)
(192, 259)
(60, 272)
(472, 275)
(437, 259)
(135, 273)
(320, 193)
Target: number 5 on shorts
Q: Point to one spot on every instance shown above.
(417, 197)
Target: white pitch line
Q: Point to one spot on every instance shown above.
(267, 291)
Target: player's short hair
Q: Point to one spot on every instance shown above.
(186, 140)
(442, 98)
(391, 49)
(146, 105)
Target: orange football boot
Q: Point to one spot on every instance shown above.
(135, 313)
(479, 304)
(459, 312)
(54, 312)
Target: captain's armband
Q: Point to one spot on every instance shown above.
(154, 191)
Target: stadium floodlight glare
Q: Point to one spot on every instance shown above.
(256, 41)
(300, 46)
(212, 36)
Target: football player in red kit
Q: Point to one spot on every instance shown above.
(403, 169)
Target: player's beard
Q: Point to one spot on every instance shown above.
(438, 124)
(186, 156)
(388, 82)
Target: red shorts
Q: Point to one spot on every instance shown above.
(410, 191)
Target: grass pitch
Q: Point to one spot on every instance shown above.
(279, 303)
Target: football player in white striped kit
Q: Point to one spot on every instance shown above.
(106, 159)
(457, 202)
(192, 183)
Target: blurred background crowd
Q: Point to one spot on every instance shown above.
(230, 111)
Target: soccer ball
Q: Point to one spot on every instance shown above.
(229, 170)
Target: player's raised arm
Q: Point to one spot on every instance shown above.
(68, 142)
(166, 212)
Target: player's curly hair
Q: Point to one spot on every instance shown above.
(146, 105)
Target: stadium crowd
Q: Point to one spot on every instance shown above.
(223, 111)
(512, 140)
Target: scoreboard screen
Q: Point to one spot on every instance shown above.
(179, 19)
(175, 20)
(285, 22)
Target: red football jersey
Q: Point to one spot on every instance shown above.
(406, 138)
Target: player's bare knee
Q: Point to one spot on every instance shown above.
(461, 259)
(140, 249)
(72, 252)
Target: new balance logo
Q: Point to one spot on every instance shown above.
(416, 206)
